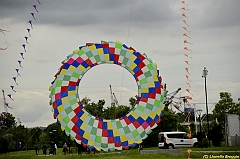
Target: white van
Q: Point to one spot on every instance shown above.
(173, 140)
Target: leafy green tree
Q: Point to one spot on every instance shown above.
(182, 117)
(10, 133)
(55, 133)
(114, 112)
(122, 110)
(85, 101)
(192, 127)
(216, 135)
(224, 105)
(212, 121)
(182, 128)
(43, 139)
(26, 138)
(238, 107)
(35, 136)
(95, 109)
(169, 121)
(19, 135)
(98, 110)
(132, 101)
(3, 145)
(110, 112)
(10, 141)
(211, 118)
(152, 139)
(8, 120)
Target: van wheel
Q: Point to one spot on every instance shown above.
(165, 146)
(170, 146)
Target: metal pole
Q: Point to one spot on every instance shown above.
(226, 129)
(207, 108)
(200, 130)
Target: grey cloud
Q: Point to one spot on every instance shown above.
(215, 14)
(82, 13)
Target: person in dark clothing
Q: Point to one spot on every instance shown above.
(51, 148)
(36, 149)
(65, 148)
(44, 149)
(79, 147)
(20, 146)
(55, 149)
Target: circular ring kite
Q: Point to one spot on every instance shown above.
(103, 134)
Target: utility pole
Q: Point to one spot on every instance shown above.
(205, 73)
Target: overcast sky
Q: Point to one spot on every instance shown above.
(153, 27)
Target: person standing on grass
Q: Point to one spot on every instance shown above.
(79, 148)
(65, 148)
(44, 149)
(36, 149)
(51, 148)
(55, 149)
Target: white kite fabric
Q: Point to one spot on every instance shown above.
(104, 134)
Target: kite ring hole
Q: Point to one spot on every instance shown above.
(95, 85)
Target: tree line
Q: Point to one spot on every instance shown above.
(18, 137)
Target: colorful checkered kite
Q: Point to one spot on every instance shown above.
(103, 134)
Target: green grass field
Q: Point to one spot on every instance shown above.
(127, 154)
